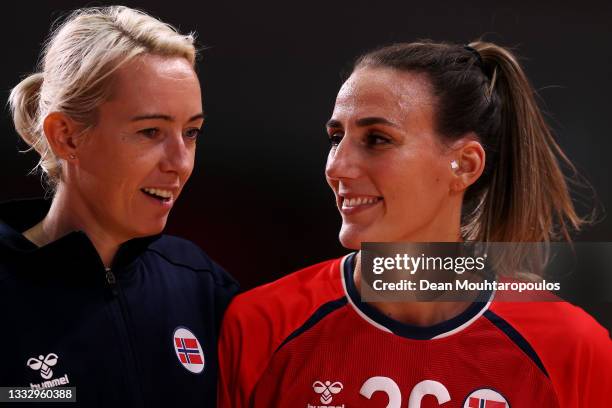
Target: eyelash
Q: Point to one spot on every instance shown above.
(197, 132)
(372, 139)
(151, 133)
(148, 132)
(335, 139)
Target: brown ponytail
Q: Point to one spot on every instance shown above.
(528, 196)
(522, 195)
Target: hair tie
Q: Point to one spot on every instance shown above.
(476, 54)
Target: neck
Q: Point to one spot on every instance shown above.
(444, 227)
(414, 313)
(68, 214)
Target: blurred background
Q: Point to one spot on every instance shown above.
(258, 202)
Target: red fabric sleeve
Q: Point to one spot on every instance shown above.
(575, 350)
(258, 321)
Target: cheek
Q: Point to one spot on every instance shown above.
(97, 165)
(115, 166)
(414, 183)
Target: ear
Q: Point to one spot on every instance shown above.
(469, 157)
(61, 132)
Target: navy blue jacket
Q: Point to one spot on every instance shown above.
(117, 335)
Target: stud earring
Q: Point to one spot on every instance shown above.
(72, 156)
(454, 165)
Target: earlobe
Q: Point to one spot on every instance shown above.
(457, 183)
(60, 131)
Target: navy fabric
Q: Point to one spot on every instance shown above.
(517, 338)
(316, 317)
(113, 342)
(403, 329)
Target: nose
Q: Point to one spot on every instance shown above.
(178, 156)
(343, 161)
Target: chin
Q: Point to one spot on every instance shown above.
(351, 239)
(148, 229)
(352, 236)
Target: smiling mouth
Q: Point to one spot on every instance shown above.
(159, 194)
(357, 202)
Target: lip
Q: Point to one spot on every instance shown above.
(164, 204)
(358, 208)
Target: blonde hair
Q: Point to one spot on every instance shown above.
(76, 67)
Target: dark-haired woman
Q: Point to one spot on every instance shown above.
(422, 133)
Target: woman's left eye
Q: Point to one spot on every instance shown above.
(193, 133)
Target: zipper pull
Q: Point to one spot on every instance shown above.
(111, 280)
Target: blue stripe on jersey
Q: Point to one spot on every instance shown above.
(516, 337)
(404, 329)
(315, 318)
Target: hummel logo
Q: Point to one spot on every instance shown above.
(43, 364)
(327, 389)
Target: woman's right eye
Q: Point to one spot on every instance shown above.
(149, 132)
(335, 138)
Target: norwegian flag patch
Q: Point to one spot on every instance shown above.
(486, 398)
(188, 350)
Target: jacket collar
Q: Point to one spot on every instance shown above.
(73, 251)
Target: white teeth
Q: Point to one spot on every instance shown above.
(158, 192)
(354, 202)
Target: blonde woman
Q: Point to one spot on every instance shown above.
(91, 295)
(430, 142)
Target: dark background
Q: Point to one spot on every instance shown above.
(258, 202)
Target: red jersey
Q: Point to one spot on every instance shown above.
(307, 340)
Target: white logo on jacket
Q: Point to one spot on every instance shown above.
(44, 364)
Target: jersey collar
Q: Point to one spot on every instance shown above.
(385, 323)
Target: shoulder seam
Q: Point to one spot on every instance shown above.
(224, 282)
(517, 338)
(318, 315)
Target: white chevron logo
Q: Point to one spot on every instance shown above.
(43, 364)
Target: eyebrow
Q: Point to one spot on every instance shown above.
(164, 117)
(373, 120)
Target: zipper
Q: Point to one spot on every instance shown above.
(132, 372)
(111, 281)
